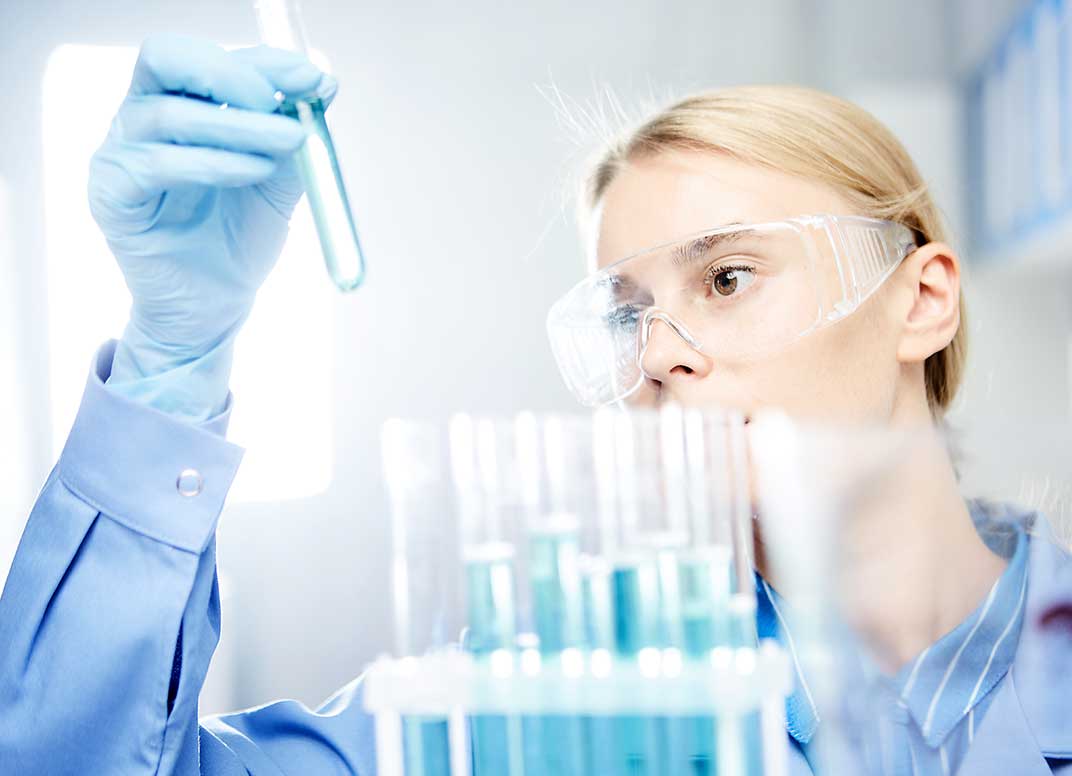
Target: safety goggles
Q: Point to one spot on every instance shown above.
(732, 293)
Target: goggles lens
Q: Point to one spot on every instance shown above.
(739, 292)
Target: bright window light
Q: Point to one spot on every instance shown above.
(283, 367)
(16, 487)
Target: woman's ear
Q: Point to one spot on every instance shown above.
(932, 274)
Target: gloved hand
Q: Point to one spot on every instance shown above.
(193, 188)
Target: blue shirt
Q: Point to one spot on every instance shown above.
(924, 718)
(111, 612)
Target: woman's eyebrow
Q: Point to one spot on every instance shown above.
(619, 284)
(701, 246)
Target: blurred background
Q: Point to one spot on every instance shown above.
(461, 128)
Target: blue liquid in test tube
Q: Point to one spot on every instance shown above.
(328, 201)
(705, 577)
(598, 605)
(425, 750)
(635, 596)
(555, 744)
(554, 558)
(282, 26)
(489, 570)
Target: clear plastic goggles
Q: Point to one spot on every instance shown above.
(732, 293)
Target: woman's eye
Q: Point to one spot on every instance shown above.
(624, 317)
(727, 281)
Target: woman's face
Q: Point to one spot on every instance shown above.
(846, 372)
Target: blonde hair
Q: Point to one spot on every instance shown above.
(814, 135)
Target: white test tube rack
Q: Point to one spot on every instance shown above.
(451, 684)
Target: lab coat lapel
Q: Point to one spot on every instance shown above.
(1004, 744)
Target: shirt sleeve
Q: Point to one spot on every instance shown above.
(287, 738)
(110, 613)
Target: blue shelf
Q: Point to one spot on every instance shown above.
(1018, 142)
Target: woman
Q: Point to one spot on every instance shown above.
(111, 612)
(851, 317)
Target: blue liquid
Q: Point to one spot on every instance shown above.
(697, 755)
(635, 595)
(753, 741)
(669, 609)
(319, 169)
(598, 605)
(489, 573)
(489, 576)
(636, 743)
(497, 745)
(705, 576)
(555, 744)
(635, 600)
(740, 744)
(599, 735)
(742, 621)
(705, 579)
(425, 747)
(620, 608)
(556, 589)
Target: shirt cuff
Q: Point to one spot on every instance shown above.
(141, 467)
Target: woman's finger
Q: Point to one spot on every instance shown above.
(130, 174)
(189, 122)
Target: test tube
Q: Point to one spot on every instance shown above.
(554, 532)
(597, 574)
(281, 26)
(422, 582)
(634, 579)
(486, 551)
(490, 580)
(554, 744)
(743, 600)
(696, 473)
(706, 566)
(739, 738)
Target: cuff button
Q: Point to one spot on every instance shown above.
(190, 483)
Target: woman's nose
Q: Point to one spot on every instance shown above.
(666, 354)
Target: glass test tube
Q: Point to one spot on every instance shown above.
(633, 584)
(554, 744)
(635, 576)
(596, 586)
(422, 583)
(743, 601)
(687, 585)
(489, 560)
(281, 26)
(597, 568)
(739, 738)
(706, 582)
(487, 554)
(707, 569)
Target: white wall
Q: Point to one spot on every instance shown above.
(458, 167)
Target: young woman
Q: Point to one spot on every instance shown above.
(800, 264)
(753, 248)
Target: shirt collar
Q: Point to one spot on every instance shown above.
(947, 679)
(801, 714)
(951, 676)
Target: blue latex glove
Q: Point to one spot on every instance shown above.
(194, 187)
